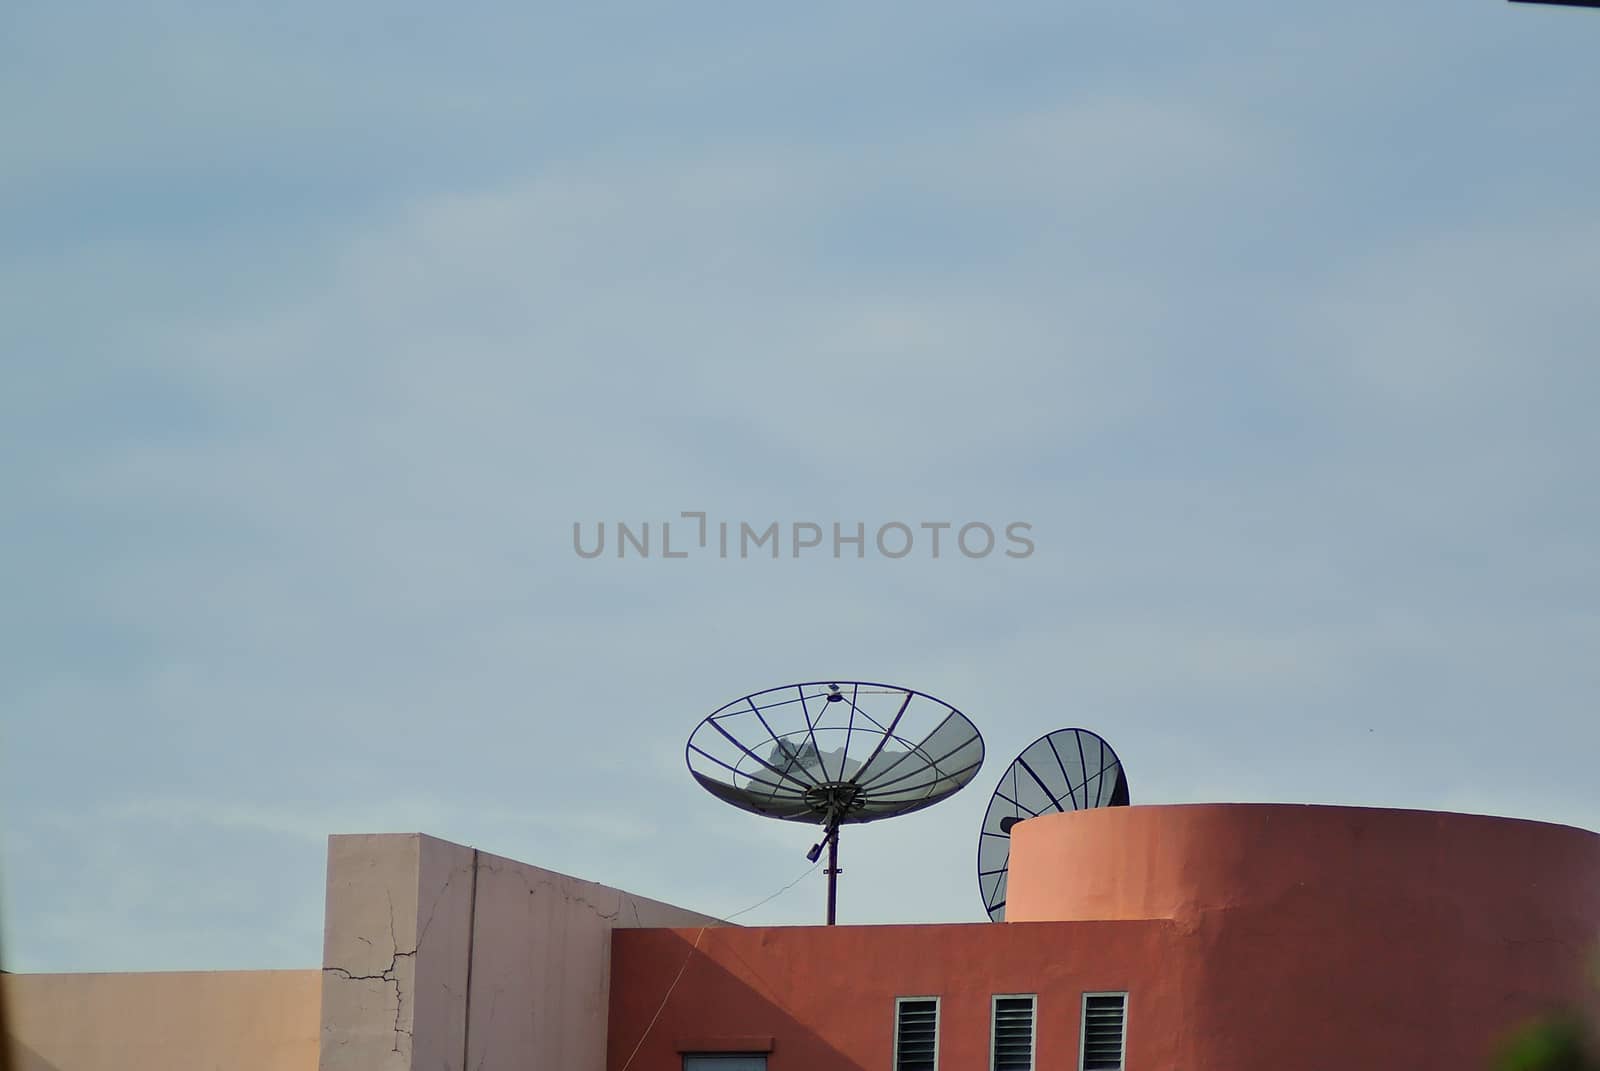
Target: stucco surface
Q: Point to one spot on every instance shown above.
(826, 996)
(1247, 936)
(178, 1021)
(369, 952)
(1502, 875)
(442, 957)
(542, 964)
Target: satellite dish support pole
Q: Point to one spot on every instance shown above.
(833, 873)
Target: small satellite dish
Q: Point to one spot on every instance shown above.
(1067, 770)
(833, 753)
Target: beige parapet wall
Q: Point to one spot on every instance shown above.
(435, 957)
(443, 958)
(177, 1021)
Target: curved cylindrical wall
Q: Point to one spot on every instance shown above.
(1330, 929)
(1174, 861)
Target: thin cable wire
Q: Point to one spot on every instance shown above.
(777, 894)
(693, 948)
(664, 999)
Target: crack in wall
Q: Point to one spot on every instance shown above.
(434, 906)
(623, 900)
(571, 901)
(387, 975)
(494, 1002)
(391, 977)
(563, 886)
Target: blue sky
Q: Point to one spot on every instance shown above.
(323, 326)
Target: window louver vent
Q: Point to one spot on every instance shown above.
(1104, 1017)
(1013, 1034)
(916, 1032)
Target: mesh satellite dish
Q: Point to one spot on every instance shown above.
(1067, 770)
(833, 753)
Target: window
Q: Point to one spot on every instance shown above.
(725, 1061)
(1105, 1031)
(1011, 1034)
(916, 1034)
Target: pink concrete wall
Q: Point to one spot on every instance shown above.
(1500, 875)
(1322, 930)
(369, 952)
(1249, 938)
(823, 998)
(437, 956)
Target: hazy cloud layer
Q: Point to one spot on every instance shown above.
(325, 327)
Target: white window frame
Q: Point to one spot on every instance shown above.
(894, 1052)
(1083, 1022)
(1033, 1034)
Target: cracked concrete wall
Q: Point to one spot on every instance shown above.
(369, 946)
(445, 881)
(440, 957)
(163, 1021)
(542, 965)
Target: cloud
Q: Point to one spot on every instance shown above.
(1305, 450)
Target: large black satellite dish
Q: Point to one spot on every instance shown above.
(834, 753)
(1067, 770)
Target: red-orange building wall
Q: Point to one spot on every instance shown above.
(1247, 936)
